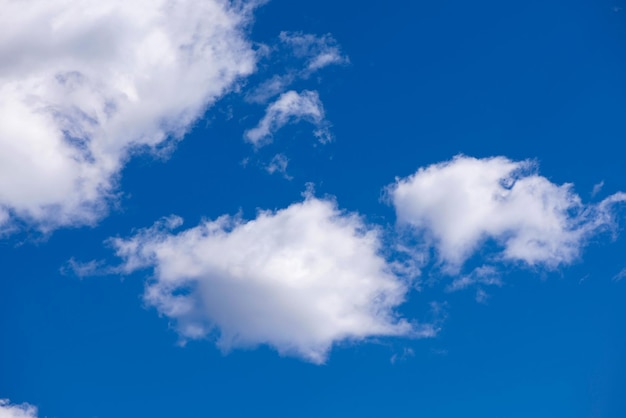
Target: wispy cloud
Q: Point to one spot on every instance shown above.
(484, 275)
(312, 52)
(291, 107)
(278, 164)
(320, 51)
(597, 188)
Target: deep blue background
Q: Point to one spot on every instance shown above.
(427, 80)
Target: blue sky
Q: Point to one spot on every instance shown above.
(312, 209)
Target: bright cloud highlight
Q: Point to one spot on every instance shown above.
(459, 205)
(84, 84)
(300, 279)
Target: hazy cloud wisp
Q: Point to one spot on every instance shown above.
(9, 410)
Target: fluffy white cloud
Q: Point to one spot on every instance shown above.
(290, 107)
(299, 279)
(8, 410)
(483, 275)
(459, 205)
(83, 83)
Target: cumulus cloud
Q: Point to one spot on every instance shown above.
(84, 83)
(300, 279)
(461, 204)
(290, 107)
(8, 410)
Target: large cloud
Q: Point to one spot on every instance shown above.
(8, 410)
(84, 82)
(459, 205)
(299, 279)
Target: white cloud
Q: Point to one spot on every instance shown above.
(484, 275)
(278, 164)
(271, 87)
(290, 107)
(459, 205)
(597, 188)
(83, 83)
(300, 279)
(312, 52)
(8, 410)
(320, 51)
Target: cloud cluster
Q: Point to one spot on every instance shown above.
(313, 54)
(8, 410)
(85, 83)
(291, 107)
(460, 205)
(300, 279)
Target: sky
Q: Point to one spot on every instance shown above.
(246, 208)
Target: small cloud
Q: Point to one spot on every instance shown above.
(320, 51)
(481, 296)
(87, 269)
(313, 54)
(403, 356)
(270, 88)
(279, 165)
(597, 188)
(291, 107)
(619, 276)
